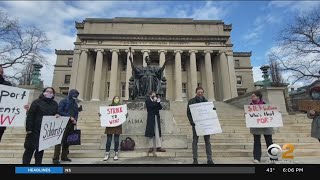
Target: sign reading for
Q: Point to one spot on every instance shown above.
(262, 115)
(12, 100)
(112, 116)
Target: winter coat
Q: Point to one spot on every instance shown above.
(64, 107)
(153, 116)
(39, 108)
(315, 126)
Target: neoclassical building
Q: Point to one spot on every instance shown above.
(199, 53)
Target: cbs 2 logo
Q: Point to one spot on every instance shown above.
(274, 151)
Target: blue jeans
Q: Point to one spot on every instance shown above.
(116, 142)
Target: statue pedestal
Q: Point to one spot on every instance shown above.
(136, 123)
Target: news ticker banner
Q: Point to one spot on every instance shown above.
(168, 169)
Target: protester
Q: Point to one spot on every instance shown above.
(113, 131)
(199, 98)
(67, 107)
(256, 98)
(314, 92)
(153, 128)
(45, 105)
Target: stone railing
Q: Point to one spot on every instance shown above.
(272, 95)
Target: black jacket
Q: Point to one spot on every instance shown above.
(194, 101)
(39, 108)
(153, 116)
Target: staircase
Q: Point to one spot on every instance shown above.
(235, 141)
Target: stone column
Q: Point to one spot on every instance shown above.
(74, 71)
(208, 65)
(193, 70)
(225, 76)
(97, 76)
(178, 74)
(232, 75)
(128, 73)
(114, 73)
(162, 58)
(145, 53)
(82, 75)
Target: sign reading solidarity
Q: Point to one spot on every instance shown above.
(12, 100)
(52, 129)
(112, 116)
(263, 115)
(205, 118)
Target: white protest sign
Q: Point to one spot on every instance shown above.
(12, 100)
(52, 130)
(112, 116)
(205, 118)
(262, 116)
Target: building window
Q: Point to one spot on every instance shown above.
(184, 89)
(236, 63)
(70, 61)
(108, 88)
(124, 67)
(183, 65)
(123, 89)
(67, 79)
(109, 66)
(239, 80)
(199, 84)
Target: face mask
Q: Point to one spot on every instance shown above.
(48, 95)
(316, 95)
(116, 101)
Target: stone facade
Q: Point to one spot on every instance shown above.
(199, 52)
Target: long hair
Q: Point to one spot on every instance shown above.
(113, 103)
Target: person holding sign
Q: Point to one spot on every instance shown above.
(314, 92)
(67, 107)
(45, 105)
(113, 131)
(256, 98)
(153, 128)
(198, 99)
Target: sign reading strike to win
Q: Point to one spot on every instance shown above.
(12, 100)
(52, 130)
(262, 116)
(112, 116)
(205, 118)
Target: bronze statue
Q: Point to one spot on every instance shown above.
(146, 79)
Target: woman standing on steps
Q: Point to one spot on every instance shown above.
(113, 131)
(314, 92)
(256, 98)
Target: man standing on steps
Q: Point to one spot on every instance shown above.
(67, 107)
(198, 99)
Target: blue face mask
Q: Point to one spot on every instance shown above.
(315, 95)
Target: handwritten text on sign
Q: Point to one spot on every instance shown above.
(205, 118)
(12, 100)
(112, 116)
(263, 115)
(52, 130)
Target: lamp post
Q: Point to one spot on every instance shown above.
(266, 81)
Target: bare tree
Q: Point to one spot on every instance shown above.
(20, 45)
(299, 44)
(275, 72)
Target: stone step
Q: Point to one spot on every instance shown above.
(170, 153)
